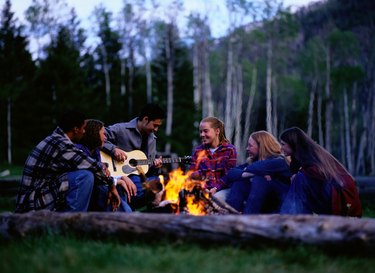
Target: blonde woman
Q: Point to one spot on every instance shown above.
(265, 181)
(214, 157)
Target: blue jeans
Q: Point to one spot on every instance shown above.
(78, 195)
(238, 194)
(265, 196)
(84, 195)
(99, 199)
(307, 196)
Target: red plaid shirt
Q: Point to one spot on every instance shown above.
(213, 166)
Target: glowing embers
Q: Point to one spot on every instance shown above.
(183, 194)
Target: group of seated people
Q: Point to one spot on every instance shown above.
(65, 172)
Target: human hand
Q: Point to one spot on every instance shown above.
(128, 185)
(113, 198)
(158, 162)
(119, 155)
(106, 172)
(213, 190)
(246, 175)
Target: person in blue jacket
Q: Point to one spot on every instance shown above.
(90, 144)
(261, 185)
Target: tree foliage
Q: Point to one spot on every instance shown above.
(313, 68)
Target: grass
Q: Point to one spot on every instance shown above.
(67, 254)
(63, 254)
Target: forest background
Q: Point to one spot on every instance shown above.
(312, 68)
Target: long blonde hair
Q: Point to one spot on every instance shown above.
(267, 144)
(217, 124)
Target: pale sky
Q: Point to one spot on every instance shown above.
(85, 7)
(218, 16)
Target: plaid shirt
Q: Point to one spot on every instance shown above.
(45, 175)
(213, 166)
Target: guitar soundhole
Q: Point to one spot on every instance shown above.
(133, 162)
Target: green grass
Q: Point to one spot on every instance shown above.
(14, 170)
(63, 254)
(66, 254)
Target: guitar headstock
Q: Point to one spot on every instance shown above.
(186, 159)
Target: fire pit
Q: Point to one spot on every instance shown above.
(179, 194)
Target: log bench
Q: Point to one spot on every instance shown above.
(340, 233)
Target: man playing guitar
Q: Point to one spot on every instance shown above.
(137, 134)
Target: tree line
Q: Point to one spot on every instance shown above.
(312, 68)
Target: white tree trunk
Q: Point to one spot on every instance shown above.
(196, 73)
(268, 88)
(329, 103)
(310, 117)
(238, 113)
(106, 77)
(123, 74)
(131, 65)
(207, 82)
(169, 48)
(228, 95)
(274, 107)
(148, 80)
(246, 131)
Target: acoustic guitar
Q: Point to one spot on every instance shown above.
(135, 159)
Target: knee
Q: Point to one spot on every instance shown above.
(84, 178)
(87, 176)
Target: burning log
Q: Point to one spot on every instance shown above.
(192, 199)
(328, 231)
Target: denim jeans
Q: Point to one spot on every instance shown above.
(99, 199)
(78, 195)
(307, 196)
(265, 196)
(238, 194)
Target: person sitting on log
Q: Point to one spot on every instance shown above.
(321, 184)
(213, 158)
(261, 185)
(58, 176)
(91, 142)
(138, 134)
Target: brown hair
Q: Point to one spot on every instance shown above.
(307, 152)
(91, 138)
(217, 124)
(267, 143)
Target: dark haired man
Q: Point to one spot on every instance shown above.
(57, 175)
(137, 134)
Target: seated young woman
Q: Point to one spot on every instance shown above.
(214, 157)
(321, 184)
(91, 142)
(261, 185)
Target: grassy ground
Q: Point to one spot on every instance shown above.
(63, 254)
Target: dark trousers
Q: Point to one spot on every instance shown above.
(307, 196)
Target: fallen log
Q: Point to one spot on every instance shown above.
(350, 233)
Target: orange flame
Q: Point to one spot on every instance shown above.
(179, 181)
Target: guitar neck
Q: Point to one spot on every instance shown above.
(167, 160)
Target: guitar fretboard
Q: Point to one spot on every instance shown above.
(167, 160)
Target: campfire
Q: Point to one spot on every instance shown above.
(183, 195)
